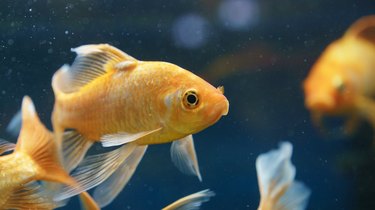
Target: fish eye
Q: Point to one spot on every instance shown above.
(339, 84)
(190, 99)
(341, 88)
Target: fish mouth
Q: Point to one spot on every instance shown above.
(323, 103)
(220, 108)
(225, 105)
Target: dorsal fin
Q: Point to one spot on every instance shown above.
(363, 28)
(92, 61)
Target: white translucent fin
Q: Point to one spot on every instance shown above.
(92, 61)
(51, 188)
(75, 147)
(191, 202)
(6, 146)
(107, 191)
(184, 156)
(276, 182)
(94, 170)
(14, 126)
(29, 196)
(87, 202)
(296, 197)
(117, 139)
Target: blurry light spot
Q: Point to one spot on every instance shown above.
(190, 31)
(66, 32)
(238, 14)
(10, 42)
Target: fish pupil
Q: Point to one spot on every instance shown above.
(192, 99)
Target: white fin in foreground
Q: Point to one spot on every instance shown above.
(108, 190)
(117, 139)
(191, 202)
(95, 169)
(276, 174)
(184, 156)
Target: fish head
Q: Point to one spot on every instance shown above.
(194, 105)
(331, 85)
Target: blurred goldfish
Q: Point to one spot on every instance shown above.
(342, 81)
(278, 190)
(193, 201)
(111, 97)
(34, 158)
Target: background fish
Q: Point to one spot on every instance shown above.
(34, 158)
(109, 96)
(341, 82)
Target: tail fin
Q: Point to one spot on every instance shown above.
(37, 142)
(276, 182)
(87, 202)
(29, 196)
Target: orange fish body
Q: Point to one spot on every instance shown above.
(110, 97)
(341, 82)
(136, 100)
(34, 158)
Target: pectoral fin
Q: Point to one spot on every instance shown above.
(117, 139)
(184, 156)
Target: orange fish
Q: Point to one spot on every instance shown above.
(34, 158)
(342, 81)
(278, 189)
(110, 97)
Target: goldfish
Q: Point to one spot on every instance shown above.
(193, 201)
(34, 157)
(341, 82)
(278, 189)
(108, 96)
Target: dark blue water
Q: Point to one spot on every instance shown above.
(259, 50)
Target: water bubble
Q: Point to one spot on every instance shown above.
(10, 42)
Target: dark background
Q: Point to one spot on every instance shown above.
(260, 51)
